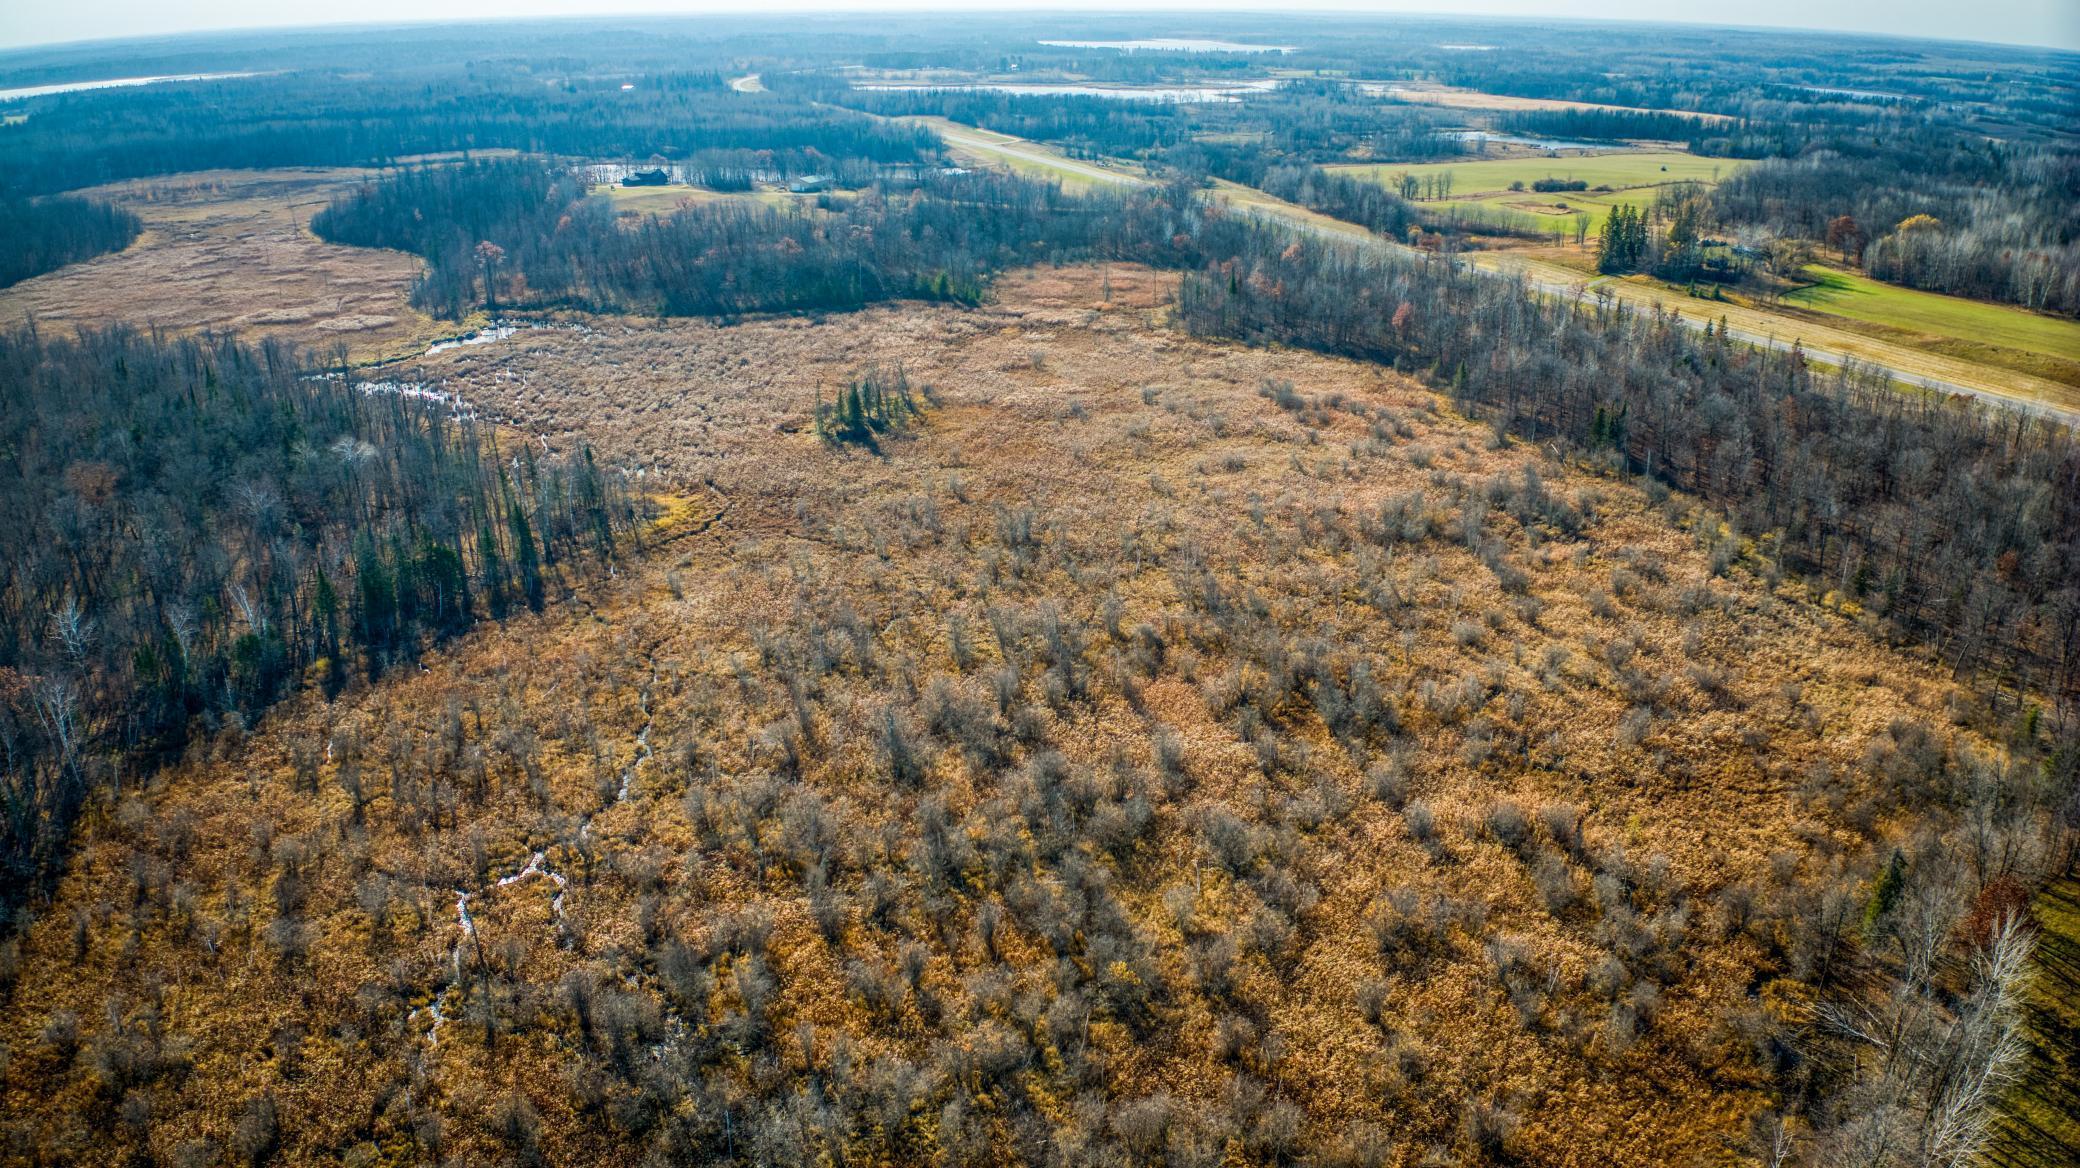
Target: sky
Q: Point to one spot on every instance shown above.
(2053, 23)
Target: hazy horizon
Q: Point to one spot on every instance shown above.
(2047, 24)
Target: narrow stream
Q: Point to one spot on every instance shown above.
(537, 865)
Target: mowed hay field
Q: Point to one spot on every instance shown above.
(1232, 731)
(2000, 334)
(1483, 184)
(1996, 339)
(232, 251)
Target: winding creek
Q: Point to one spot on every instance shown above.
(537, 865)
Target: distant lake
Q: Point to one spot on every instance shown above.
(1534, 143)
(1169, 45)
(1226, 91)
(77, 86)
(1867, 95)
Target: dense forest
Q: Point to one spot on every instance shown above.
(1782, 85)
(314, 119)
(1712, 139)
(46, 234)
(198, 526)
(1608, 125)
(520, 232)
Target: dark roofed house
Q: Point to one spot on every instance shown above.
(647, 178)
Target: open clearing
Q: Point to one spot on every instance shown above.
(1936, 317)
(1617, 170)
(233, 250)
(1481, 185)
(2025, 349)
(670, 197)
(1824, 338)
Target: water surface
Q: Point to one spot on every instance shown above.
(1865, 94)
(113, 83)
(1172, 45)
(1515, 140)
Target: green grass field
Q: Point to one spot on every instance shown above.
(1842, 293)
(1479, 176)
(1481, 186)
(1529, 211)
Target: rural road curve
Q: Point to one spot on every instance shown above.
(1010, 149)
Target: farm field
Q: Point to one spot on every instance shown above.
(2024, 353)
(1484, 183)
(1848, 294)
(2025, 348)
(1827, 338)
(1531, 211)
(1619, 170)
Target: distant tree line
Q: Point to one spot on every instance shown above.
(311, 119)
(1082, 126)
(1609, 125)
(1987, 259)
(46, 234)
(1800, 87)
(1301, 120)
(196, 526)
(1352, 200)
(742, 169)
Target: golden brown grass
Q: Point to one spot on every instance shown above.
(233, 250)
(1151, 464)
